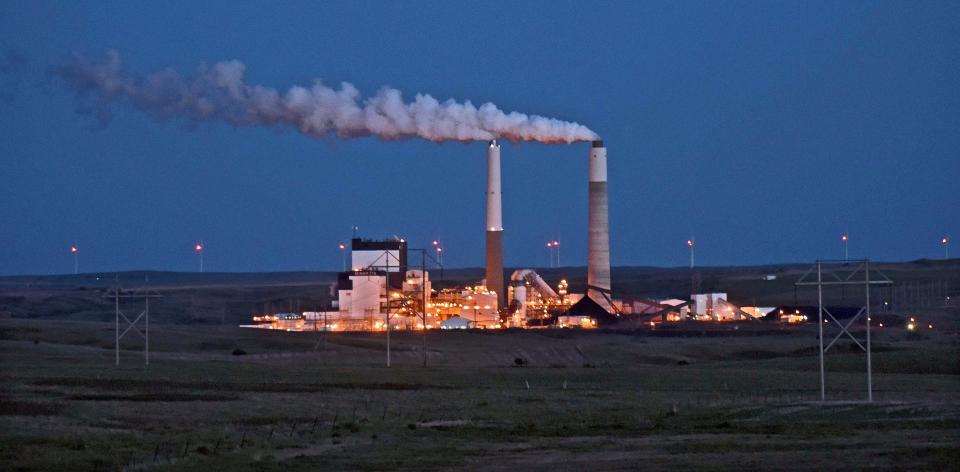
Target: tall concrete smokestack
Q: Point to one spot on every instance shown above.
(598, 230)
(494, 223)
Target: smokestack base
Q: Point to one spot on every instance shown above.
(495, 265)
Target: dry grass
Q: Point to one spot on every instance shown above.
(734, 402)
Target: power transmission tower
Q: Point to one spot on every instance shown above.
(117, 293)
(842, 274)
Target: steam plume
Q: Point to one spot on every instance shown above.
(219, 93)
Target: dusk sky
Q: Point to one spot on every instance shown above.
(763, 129)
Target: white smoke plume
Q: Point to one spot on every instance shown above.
(219, 93)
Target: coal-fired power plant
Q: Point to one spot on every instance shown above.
(381, 291)
(494, 273)
(598, 227)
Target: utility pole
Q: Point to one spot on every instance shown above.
(553, 247)
(423, 295)
(387, 278)
(846, 252)
(823, 382)
(76, 262)
(116, 307)
(199, 250)
(439, 260)
(866, 277)
(423, 300)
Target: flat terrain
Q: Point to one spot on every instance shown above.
(687, 396)
(580, 401)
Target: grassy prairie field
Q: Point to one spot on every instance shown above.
(580, 401)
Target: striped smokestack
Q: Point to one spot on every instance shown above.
(598, 230)
(494, 223)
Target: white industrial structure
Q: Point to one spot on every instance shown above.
(528, 288)
(456, 322)
(378, 283)
(704, 304)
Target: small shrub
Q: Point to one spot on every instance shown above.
(239, 352)
(519, 362)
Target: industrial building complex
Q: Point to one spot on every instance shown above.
(383, 290)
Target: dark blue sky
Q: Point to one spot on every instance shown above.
(765, 129)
